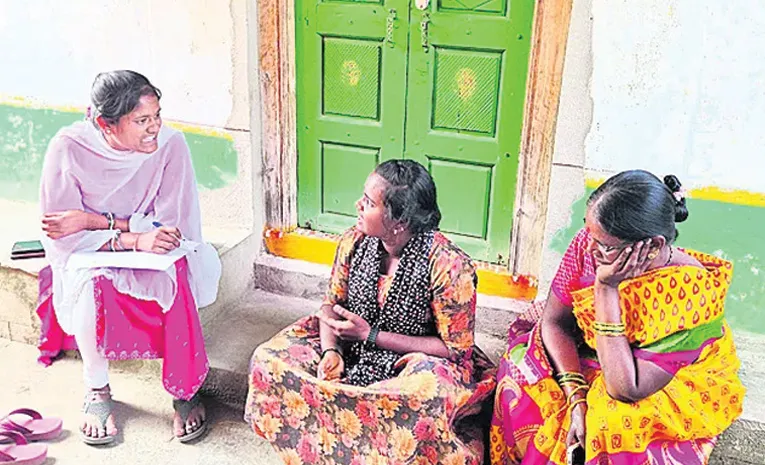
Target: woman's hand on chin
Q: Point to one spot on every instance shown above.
(65, 223)
(631, 262)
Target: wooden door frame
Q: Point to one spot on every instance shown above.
(276, 43)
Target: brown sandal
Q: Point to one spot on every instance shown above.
(184, 408)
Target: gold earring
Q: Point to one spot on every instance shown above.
(653, 254)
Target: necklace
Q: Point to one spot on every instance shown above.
(669, 259)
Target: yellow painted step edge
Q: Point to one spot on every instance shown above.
(320, 248)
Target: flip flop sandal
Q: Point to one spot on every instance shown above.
(31, 425)
(21, 452)
(184, 408)
(100, 407)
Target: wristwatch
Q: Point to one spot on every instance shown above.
(371, 340)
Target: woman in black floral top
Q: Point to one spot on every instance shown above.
(387, 372)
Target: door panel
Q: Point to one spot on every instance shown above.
(485, 6)
(342, 166)
(463, 210)
(379, 80)
(466, 88)
(351, 74)
(466, 91)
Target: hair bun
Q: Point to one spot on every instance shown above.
(676, 188)
(672, 183)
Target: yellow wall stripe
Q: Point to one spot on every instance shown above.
(734, 196)
(740, 197)
(24, 102)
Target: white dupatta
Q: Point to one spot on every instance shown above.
(82, 172)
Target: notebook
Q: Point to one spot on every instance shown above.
(135, 260)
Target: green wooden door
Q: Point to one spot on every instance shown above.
(468, 62)
(444, 86)
(351, 82)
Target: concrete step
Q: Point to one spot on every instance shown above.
(233, 333)
(18, 278)
(309, 281)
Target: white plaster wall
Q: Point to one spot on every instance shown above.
(195, 51)
(574, 120)
(678, 87)
(52, 50)
(671, 86)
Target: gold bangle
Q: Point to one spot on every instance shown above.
(575, 383)
(602, 326)
(577, 402)
(572, 382)
(609, 329)
(573, 376)
(610, 333)
(574, 391)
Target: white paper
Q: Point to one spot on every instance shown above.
(135, 260)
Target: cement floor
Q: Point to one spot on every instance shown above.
(143, 410)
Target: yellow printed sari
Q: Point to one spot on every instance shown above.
(674, 318)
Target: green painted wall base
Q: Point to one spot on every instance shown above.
(734, 232)
(24, 137)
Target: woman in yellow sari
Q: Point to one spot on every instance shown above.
(631, 361)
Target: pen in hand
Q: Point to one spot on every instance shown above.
(157, 224)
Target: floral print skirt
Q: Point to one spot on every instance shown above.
(432, 411)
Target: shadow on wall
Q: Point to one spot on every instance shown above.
(24, 137)
(731, 231)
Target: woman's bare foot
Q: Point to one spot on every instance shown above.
(195, 419)
(98, 426)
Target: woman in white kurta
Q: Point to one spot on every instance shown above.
(122, 181)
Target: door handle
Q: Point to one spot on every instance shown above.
(389, 26)
(424, 24)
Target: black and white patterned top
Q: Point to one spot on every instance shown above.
(406, 310)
